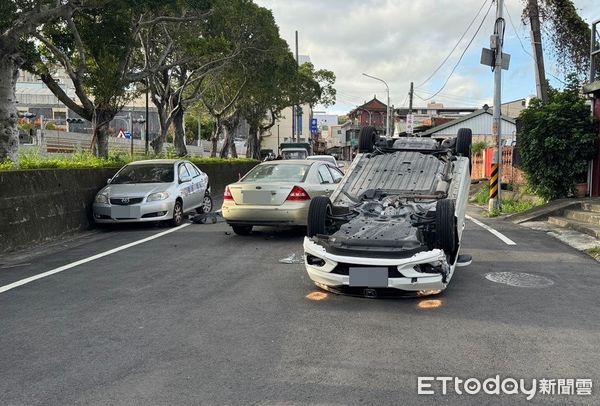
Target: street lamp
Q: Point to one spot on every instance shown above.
(387, 112)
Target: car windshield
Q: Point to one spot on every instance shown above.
(294, 154)
(277, 173)
(159, 173)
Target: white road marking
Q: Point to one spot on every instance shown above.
(89, 259)
(497, 233)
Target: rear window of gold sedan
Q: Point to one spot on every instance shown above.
(268, 173)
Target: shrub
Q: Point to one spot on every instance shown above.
(87, 160)
(556, 141)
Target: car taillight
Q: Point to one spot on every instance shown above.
(227, 195)
(298, 193)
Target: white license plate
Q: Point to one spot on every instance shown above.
(256, 197)
(368, 277)
(125, 212)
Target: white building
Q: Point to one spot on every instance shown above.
(480, 123)
(283, 130)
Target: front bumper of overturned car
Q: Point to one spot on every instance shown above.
(409, 281)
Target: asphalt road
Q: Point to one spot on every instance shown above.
(202, 316)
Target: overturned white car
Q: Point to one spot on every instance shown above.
(393, 225)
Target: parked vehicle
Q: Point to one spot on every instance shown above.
(277, 193)
(326, 158)
(394, 224)
(295, 150)
(153, 190)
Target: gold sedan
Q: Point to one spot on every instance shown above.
(277, 193)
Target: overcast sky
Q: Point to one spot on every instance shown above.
(406, 40)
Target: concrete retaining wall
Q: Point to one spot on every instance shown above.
(40, 205)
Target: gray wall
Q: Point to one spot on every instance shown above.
(40, 205)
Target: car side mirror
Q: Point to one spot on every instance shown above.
(184, 179)
(108, 181)
(341, 166)
(338, 180)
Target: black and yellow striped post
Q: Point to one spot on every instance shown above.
(494, 202)
(494, 182)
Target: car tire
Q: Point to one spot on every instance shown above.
(318, 210)
(367, 139)
(445, 225)
(207, 205)
(177, 219)
(242, 230)
(464, 138)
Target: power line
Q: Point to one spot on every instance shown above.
(455, 46)
(463, 53)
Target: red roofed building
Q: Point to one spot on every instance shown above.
(372, 113)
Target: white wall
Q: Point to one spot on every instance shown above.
(285, 129)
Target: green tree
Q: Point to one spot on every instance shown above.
(556, 141)
(18, 20)
(100, 51)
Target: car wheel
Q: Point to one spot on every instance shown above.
(445, 225)
(367, 139)
(464, 138)
(242, 230)
(177, 219)
(207, 205)
(320, 207)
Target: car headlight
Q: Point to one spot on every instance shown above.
(101, 198)
(157, 196)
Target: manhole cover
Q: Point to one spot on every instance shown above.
(519, 279)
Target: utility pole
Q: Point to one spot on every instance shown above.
(131, 132)
(296, 133)
(146, 131)
(410, 120)
(410, 98)
(538, 54)
(496, 46)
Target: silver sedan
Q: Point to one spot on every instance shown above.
(277, 193)
(153, 190)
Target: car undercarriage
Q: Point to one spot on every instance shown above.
(402, 202)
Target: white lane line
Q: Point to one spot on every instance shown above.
(89, 259)
(497, 233)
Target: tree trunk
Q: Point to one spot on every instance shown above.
(215, 137)
(252, 141)
(9, 133)
(229, 127)
(226, 143)
(158, 143)
(179, 138)
(103, 119)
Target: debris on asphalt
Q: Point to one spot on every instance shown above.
(208, 218)
(293, 258)
(519, 279)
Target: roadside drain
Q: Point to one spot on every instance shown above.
(519, 279)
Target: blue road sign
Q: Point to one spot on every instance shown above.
(313, 126)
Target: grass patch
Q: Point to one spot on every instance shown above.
(595, 253)
(512, 206)
(86, 160)
(483, 195)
